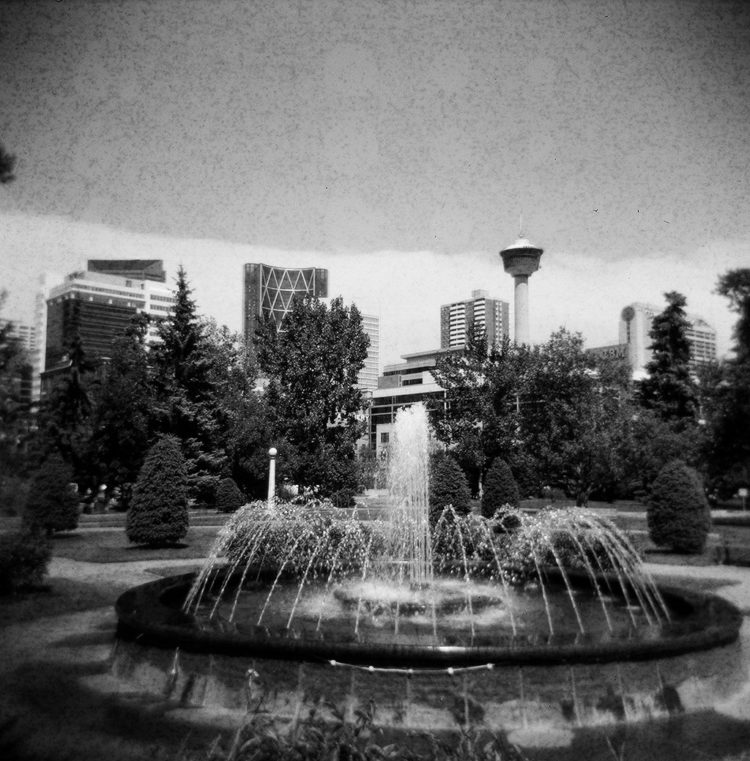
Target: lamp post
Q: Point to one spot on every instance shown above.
(271, 476)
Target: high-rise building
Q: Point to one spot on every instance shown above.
(635, 325)
(479, 315)
(269, 292)
(367, 379)
(133, 269)
(98, 307)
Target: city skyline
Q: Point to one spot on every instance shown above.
(394, 144)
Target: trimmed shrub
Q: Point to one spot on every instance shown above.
(52, 502)
(678, 513)
(448, 486)
(228, 496)
(158, 513)
(500, 488)
(24, 557)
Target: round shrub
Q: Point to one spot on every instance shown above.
(228, 496)
(158, 511)
(500, 488)
(52, 502)
(678, 513)
(24, 557)
(448, 486)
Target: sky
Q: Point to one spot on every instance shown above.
(396, 143)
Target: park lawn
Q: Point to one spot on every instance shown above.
(112, 546)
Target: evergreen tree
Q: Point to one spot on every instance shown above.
(228, 496)
(52, 502)
(65, 414)
(185, 398)
(121, 420)
(7, 163)
(315, 407)
(158, 513)
(670, 389)
(500, 489)
(678, 514)
(727, 394)
(448, 486)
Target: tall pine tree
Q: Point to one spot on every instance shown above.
(670, 389)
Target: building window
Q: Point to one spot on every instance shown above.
(384, 437)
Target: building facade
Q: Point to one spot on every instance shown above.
(269, 292)
(402, 385)
(23, 378)
(367, 379)
(635, 325)
(98, 307)
(479, 315)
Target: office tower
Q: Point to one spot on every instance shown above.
(367, 379)
(635, 325)
(132, 269)
(269, 292)
(521, 260)
(98, 307)
(479, 315)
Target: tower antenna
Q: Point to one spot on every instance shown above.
(520, 225)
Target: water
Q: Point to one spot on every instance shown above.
(311, 568)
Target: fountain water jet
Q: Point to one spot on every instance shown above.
(561, 599)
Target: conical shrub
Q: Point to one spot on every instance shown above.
(448, 486)
(500, 488)
(678, 513)
(52, 502)
(158, 511)
(228, 496)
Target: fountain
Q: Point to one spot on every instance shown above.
(513, 623)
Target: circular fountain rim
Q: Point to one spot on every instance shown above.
(151, 614)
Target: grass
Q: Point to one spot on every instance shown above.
(56, 597)
(46, 714)
(112, 546)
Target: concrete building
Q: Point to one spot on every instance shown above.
(269, 291)
(367, 379)
(401, 385)
(521, 260)
(479, 315)
(98, 307)
(635, 325)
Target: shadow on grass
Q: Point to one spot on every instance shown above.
(57, 597)
(113, 546)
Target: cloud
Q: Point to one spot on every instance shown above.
(405, 289)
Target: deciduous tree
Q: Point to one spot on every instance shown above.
(315, 407)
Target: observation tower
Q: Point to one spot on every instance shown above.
(521, 260)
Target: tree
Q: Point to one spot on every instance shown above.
(52, 502)
(678, 514)
(122, 414)
(482, 415)
(670, 389)
(7, 163)
(726, 394)
(316, 410)
(158, 513)
(228, 496)
(186, 399)
(65, 415)
(448, 486)
(500, 489)
(14, 416)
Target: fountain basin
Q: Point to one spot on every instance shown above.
(549, 683)
(152, 613)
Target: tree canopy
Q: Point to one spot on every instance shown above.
(316, 410)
